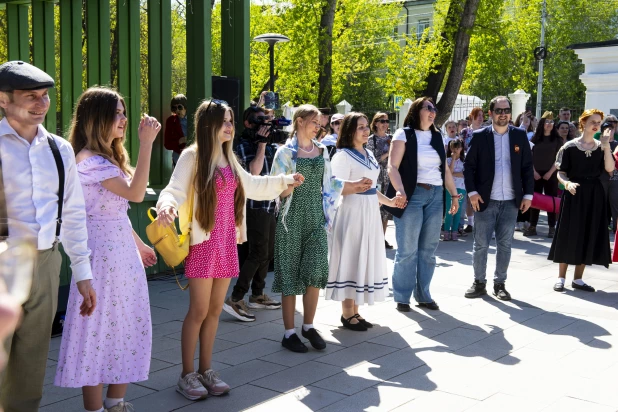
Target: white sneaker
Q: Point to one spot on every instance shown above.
(191, 388)
(526, 225)
(519, 226)
(121, 407)
(213, 384)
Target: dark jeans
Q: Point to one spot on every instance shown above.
(550, 188)
(261, 241)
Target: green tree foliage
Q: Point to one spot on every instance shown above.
(506, 33)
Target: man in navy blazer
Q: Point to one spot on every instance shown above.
(499, 179)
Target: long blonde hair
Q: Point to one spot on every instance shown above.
(208, 122)
(92, 123)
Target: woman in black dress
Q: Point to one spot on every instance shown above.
(582, 237)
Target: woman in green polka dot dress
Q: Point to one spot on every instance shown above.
(305, 215)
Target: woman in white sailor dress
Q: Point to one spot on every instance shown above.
(357, 264)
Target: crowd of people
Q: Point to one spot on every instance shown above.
(318, 204)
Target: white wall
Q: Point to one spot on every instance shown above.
(600, 77)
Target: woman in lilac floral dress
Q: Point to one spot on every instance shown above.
(113, 345)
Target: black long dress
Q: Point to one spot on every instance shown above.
(582, 236)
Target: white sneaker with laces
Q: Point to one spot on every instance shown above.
(121, 407)
(213, 383)
(191, 387)
(238, 309)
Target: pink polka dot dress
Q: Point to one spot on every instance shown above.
(113, 345)
(217, 257)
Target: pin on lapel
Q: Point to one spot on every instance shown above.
(516, 149)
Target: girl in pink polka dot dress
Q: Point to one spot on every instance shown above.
(210, 172)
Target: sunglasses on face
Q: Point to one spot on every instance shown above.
(177, 107)
(383, 121)
(430, 109)
(498, 110)
(336, 123)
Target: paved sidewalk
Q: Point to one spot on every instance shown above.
(543, 351)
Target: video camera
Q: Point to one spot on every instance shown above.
(276, 134)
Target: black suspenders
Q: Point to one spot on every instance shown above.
(60, 167)
(4, 227)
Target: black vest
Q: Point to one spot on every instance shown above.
(408, 169)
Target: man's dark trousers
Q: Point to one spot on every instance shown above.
(261, 241)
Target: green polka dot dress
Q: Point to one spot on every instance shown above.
(301, 251)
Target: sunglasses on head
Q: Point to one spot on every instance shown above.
(177, 107)
(216, 102)
(383, 121)
(499, 110)
(431, 109)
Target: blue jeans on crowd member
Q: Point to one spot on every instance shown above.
(451, 223)
(501, 217)
(417, 232)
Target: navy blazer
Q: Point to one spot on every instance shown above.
(408, 168)
(479, 166)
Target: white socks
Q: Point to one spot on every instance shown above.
(307, 327)
(579, 282)
(98, 410)
(560, 280)
(111, 402)
(289, 332)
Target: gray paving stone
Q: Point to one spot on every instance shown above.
(53, 394)
(288, 358)
(438, 401)
(174, 355)
(167, 328)
(250, 334)
(293, 378)
(163, 400)
(458, 338)
(252, 350)
(238, 399)
(251, 371)
(381, 398)
(162, 344)
(356, 354)
(305, 398)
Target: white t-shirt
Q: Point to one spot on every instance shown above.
(459, 168)
(446, 140)
(428, 159)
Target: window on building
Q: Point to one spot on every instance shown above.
(421, 26)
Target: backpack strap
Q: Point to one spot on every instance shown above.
(61, 178)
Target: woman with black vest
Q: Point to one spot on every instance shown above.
(418, 172)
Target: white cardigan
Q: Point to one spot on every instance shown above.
(175, 194)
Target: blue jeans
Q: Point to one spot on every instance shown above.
(501, 217)
(417, 233)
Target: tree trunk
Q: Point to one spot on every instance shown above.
(459, 62)
(325, 47)
(436, 78)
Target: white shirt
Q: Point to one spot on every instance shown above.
(428, 159)
(459, 168)
(32, 196)
(330, 140)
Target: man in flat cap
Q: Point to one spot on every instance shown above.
(35, 162)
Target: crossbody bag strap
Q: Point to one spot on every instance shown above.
(61, 178)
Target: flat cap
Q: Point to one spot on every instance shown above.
(18, 75)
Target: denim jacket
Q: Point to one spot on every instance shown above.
(285, 162)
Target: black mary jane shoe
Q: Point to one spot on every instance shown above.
(402, 307)
(359, 327)
(363, 321)
(294, 344)
(314, 338)
(429, 305)
(584, 287)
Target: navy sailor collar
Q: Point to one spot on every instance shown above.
(365, 161)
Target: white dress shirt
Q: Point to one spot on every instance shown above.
(31, 186)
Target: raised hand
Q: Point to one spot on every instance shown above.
(148, 129)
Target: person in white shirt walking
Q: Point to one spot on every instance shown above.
(42, 210)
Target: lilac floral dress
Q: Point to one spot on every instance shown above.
(113, 345)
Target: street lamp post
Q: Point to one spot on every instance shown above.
(272, 39)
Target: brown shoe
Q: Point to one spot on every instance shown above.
(531, 231)
(551, 233)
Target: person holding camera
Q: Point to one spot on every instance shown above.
(256, 155)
